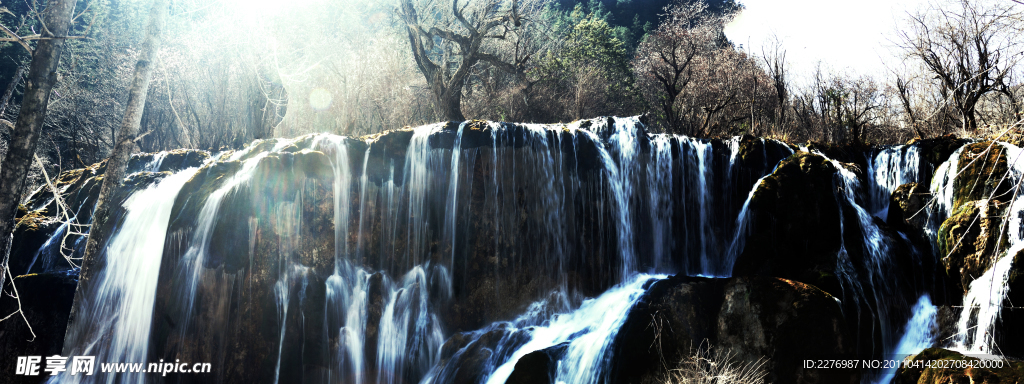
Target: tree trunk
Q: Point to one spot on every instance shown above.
(42, 75)
(10, 89)
(118, 161)
(449, 100)
(970, 121)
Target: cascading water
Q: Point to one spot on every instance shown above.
(942, 190)
(124, 291)
(661, 187)
(890, 168)
(877, 265)
(986, 296)
(621, 173)
(398, 204)
(446, 231)
(870, 281)
(585, 334)
(49, 256)
(919, 333)
(410, 335)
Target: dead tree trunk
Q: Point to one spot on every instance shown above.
(10, 92)
(42, 75)
(117, 164)
(489, 22)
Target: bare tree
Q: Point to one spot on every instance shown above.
(701, 84)
(42, 75)
(775, 63)
(727, 87)
(447, 43)
(117, 164)
(846, 105)
(969, 47)
(664, 62)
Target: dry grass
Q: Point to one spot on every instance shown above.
(707, 365)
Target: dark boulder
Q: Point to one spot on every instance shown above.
(794, 229)
(906, 208)
(467, 357)
(785, 322)
(676, 315)
(46, 304)
(538, 367)
(938, 149)
(781, 321)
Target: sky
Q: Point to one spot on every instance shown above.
(854, 37)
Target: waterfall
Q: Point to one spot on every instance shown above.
(984, 299)
(982, 304)
(742, 231)
(410, 335)
(919, 334)
(621, 171)
(120, 302)
(703, 153)
(482, 242)
(872, 281)
(191, 264)
(877, 264)
(347, 300)
(342, 192)
(661, 187)
(453, 192)
(49, 255)
(941, 188)
(890, 168)
(589, 331)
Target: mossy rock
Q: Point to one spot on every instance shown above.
(1012, 371)
(1014, 136)
(475, 134)
(139, 180)
(760, 153)
(391, 144)
(313, 164)
(794, 229)
(937, 150)
(75, 186)
(906, 207)
(173, 161)
(197, 190)
(180, 159)
(254, 148)
(387, 148)
(30, 221)
(751, 149)
(968, 239)
(301, 142)
(983, 174)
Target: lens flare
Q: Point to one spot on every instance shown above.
(319, 99)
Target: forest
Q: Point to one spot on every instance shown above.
(226, 74)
